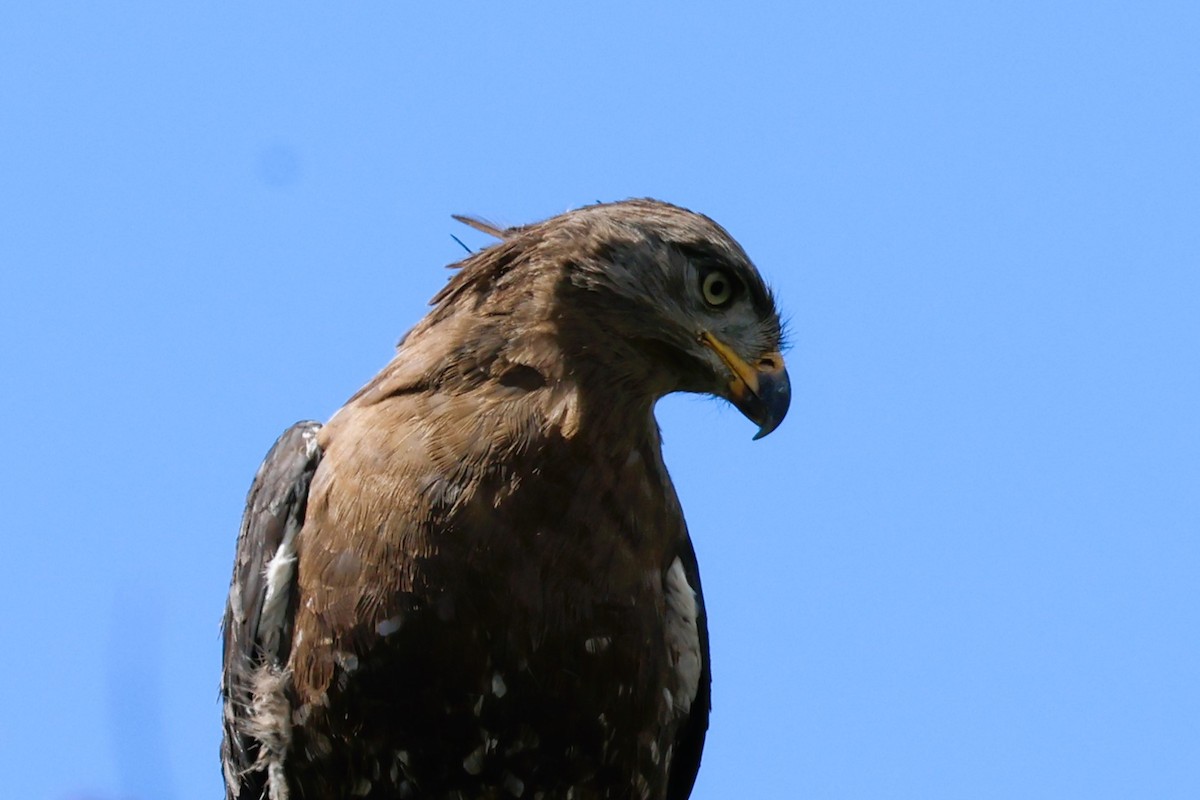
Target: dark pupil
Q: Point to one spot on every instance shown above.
(717, 288)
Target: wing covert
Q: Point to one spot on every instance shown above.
(257, 627)
(689, 742)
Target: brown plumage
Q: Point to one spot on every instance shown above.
(475, 581)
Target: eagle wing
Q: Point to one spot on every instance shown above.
(689, 741)
(257, 628)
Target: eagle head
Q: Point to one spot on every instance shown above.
(682, 305)
(651, 297)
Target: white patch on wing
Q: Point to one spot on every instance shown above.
(597, 644)
(280, 570)
(683, 636)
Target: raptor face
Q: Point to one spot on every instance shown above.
(683, 292)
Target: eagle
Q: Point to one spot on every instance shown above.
(475, 580)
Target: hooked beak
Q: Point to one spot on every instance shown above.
(762, 393)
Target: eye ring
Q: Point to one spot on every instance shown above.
(718, 288)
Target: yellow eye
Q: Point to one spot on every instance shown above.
(717, 288)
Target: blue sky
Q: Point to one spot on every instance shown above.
(967, 564)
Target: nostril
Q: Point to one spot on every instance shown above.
(769, 362)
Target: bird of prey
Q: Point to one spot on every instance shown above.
(475, 581)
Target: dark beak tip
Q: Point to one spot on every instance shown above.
(763, 432)
(772, 402)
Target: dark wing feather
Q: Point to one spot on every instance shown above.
(689, 742)
(274, 513)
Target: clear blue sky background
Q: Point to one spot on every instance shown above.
(966, 566)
